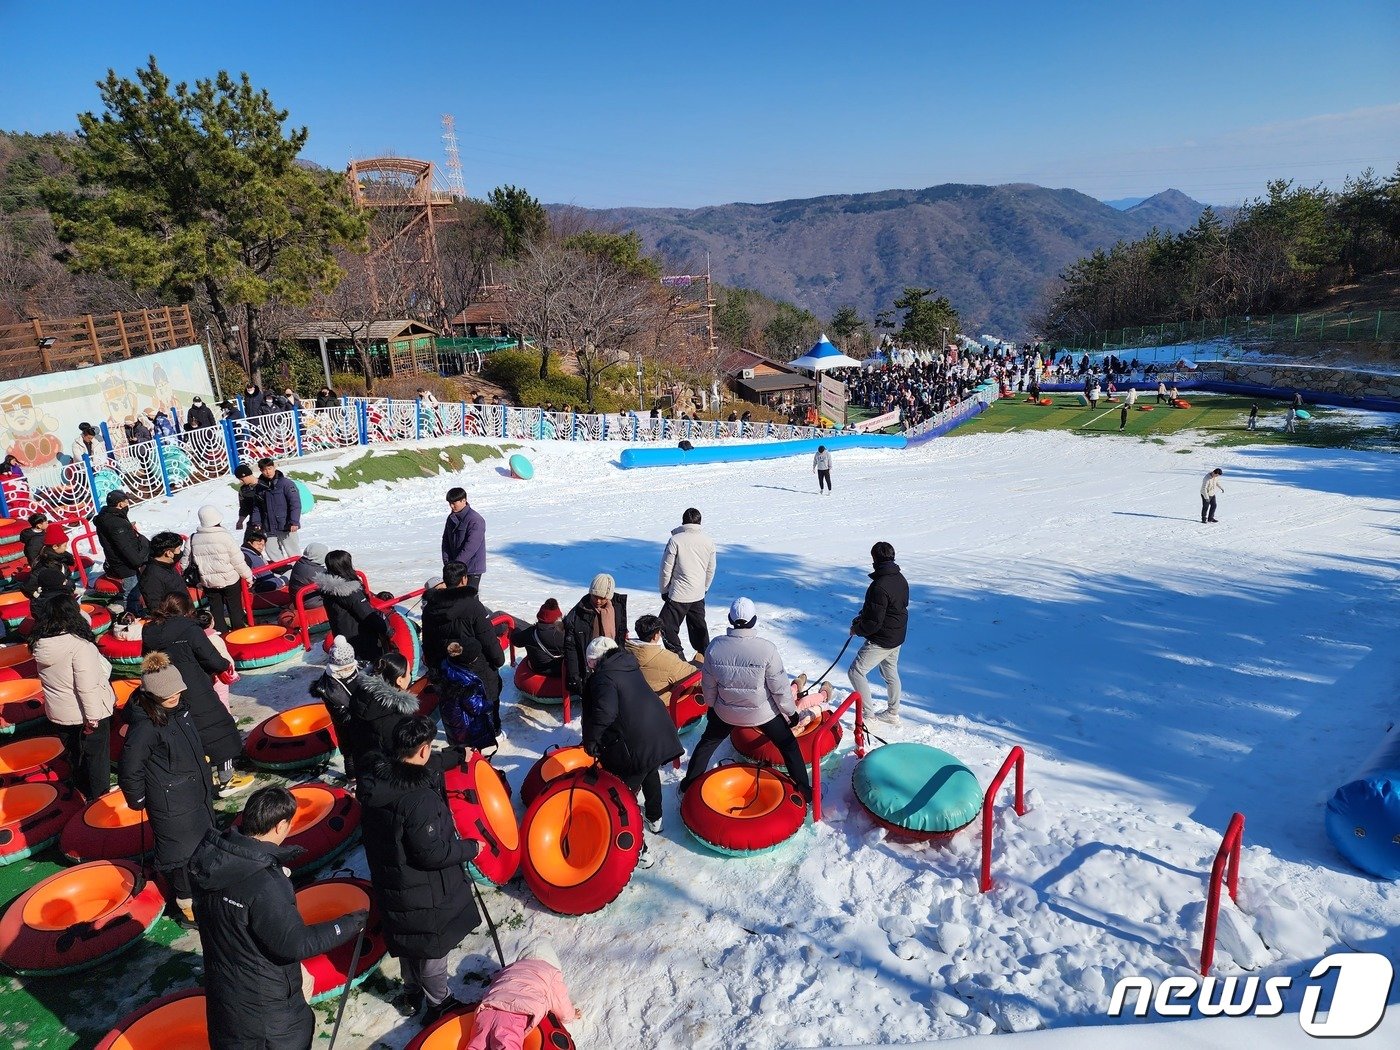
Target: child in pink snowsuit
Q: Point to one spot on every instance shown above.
(221, 682)
(519, 997)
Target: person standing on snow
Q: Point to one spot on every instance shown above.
(278, 511)
(464, 537)
(1210, 488)
(821, 463)
(1123, 417)
(883, 622)
(687, 570)
(253, 937)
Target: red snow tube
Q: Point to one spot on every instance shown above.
(14, 608)
(1181, 404)
(123, 653)
(742, 810)
(10, 529)
(11, 552)
(99, 617)
(173, 1022)
(504, 625)
(1144, 408)
(403, 633)
(18, 658)
(107, 829)
(331, 899)
(1046, 401)
(21, 704)
(582, 839)
(427, 697)
(78, 918)
(122, 689)
(687, 703)
(455, 1030)
(104, 589)
(293, 739)
(32, 815)
(480, 804)
(537, 687)
(34, 760)
(326, 824)
(550, 766)
(261, 646)
(753, 744)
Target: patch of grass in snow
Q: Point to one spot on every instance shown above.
(1222, 419)
(404, 463)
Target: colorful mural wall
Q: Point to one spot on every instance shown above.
(39, 416)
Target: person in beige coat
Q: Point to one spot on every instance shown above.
(77, 690)
(221, 567)
(687, 570)
(662, 669)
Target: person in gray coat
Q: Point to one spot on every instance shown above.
(687, 570)
(744, 684)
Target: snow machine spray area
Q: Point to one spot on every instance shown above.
(1363, 817)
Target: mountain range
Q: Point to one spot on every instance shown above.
(993, 250)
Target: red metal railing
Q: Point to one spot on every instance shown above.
(1227, 869)
(506, 620)
(261, 571)
(1016, 758)
(854, 700)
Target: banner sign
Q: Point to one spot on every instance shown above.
(889, 419)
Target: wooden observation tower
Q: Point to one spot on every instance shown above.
(407, 210)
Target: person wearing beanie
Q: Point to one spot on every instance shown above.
(124, 550)
(883, 622)
(434, 583)
(304, 573)
(335, 689)
(78, 698)
(627, 728)
(687, 570)
(162, 575)
(543, 640)
(162, 773)
(222, 570)
(33, 538)
(601, 613)
(744, 684)
(417, 863)
(247, 493)
(464, 536)
(519, 997)
(199, 415)
(251, 935)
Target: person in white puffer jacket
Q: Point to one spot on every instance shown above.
(687, 570)
(221, 568)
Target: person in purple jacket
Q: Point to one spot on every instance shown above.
(464, 537)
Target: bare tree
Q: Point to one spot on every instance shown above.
(538, 285)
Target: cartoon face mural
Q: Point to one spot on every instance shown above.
(28, 433)
(120, 398)
(163, 399)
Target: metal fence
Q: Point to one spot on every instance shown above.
(1338, 326)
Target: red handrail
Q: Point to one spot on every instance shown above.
(1017, 757)
(680, 689)
(1226, 868)
(499, 620)
(855, 700)
(271, 566)
(88, 535)
(303, 620)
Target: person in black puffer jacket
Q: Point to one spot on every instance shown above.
(124, 550)
(455, 614)
(161, 575)
(627, 728)
(883, 622)
(417, 863)
(173, 631)
(348, 607)
(601, 613)
(378, 702)
(311, 564)
(543, 640)
(163, 773)
(252, 936)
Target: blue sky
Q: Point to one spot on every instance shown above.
(685, 105)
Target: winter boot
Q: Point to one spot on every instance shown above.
(184, 913)
(437, 1011)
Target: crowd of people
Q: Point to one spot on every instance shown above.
(182, 749)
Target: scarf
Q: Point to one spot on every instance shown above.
(604, 622)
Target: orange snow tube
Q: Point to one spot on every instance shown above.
(1181, 404)
(122, 689)
(742, 810)
(78, 918)
(173, 1022)
(107, 829)
(454, 1031)
(293, 739)
(326, 824)
(14, 608)
(31, 816)
(480, 802)
(332, 899)
(549, 767)
(21, 704)
(583, 836)
(261, 646)
(33, 760)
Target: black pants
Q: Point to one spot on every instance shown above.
(650, 786)
(89, 757)
(823, 480)
(693, 614)
(1122, 417)
(226, 606)
(179, 880)
(1207, 508)
(777, 730)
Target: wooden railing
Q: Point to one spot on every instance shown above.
(38, 347)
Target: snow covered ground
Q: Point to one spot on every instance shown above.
(1160, 673)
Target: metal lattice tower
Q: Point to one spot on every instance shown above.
(456, 185)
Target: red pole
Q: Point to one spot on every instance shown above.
(1016, 758)
(854, 700)
(1226, 869)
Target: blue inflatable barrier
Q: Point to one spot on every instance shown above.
(1363, 817)
(674, 457)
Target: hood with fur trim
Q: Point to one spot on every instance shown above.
(390, 696)
(335, 585)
